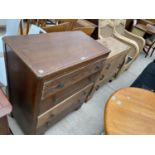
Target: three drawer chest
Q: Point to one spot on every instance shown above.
(50, 75)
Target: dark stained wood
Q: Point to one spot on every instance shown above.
(46, 51)
(63, 94)
(49, 117)
(46, 70)
(4, 127)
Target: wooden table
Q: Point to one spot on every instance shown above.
(130, 111)
(5, 108)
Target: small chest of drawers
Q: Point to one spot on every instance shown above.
(50, 75)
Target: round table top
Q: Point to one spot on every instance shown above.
(130, 111)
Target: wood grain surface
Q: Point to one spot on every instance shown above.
(130, 111)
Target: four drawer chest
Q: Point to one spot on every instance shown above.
(50, 75)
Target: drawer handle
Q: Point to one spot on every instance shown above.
(55, 99)
(102, 77)
(108, 66)
(98, 66)
(119, 66)
(90, 79)
(60, 85)
(84, 93)
(80, 101)
(97, 87)
(48, 123)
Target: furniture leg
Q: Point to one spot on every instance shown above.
(152, 52)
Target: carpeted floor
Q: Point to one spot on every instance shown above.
(88, 120)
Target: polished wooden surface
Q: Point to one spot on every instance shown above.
(45, 72)
(44, 53)
(130, 111)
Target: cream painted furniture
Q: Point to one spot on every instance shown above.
(114, 61)
(115, 29)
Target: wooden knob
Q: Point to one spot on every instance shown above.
(60, 85)
(102, 77)
(108, 66)
(84, 93)
(48, 123)
(97, 66)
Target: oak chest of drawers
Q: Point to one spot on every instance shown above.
(50, 75)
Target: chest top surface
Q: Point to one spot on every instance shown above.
(114, 45)
(52, 52)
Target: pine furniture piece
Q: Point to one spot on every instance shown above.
(95, 33)
(5, 109)
(66, 26)
(84, 26)
(71, 21)
(50, 75)
(130, 111)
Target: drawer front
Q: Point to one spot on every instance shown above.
(65, 93)
(52, 86)
(112, 67)
(59, 111)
